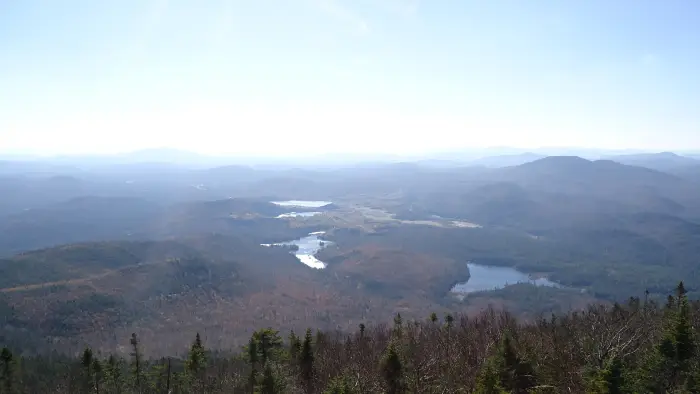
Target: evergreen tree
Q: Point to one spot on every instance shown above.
(265, 346)
(8, 371)
(339, 385)
(86, 363)
(253, 351)
(683, 331)
(306, 361)
(97, 372)
(136, 361)
(506, 371)
(362, 330)
(196, 359)
(268, 345)
(392, 370)
(672, 365)
(449, 319)
(488, 381)
(294, 345)
(398, 325)
(608, 380)
(113, 373)
(269, 384)
(433, 317)
(253, 360)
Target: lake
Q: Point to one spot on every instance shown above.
(302, 203)
(485, 278)
(297, 215)
(308, 247)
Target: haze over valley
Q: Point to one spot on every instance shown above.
(349, 197)
(92, 252)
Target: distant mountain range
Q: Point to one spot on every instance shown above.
(487, 157)
(148, 244)
(507, 160)
(658, 161)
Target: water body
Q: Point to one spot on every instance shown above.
(308, 247)
(302, 203)
(297, 215)
(486, 278)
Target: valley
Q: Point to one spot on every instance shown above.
(336, 249)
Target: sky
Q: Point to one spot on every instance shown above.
(297, 77)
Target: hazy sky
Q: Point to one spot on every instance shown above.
(270, 76)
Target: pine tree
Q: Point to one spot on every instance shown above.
(269, 383)
(339, 385)
(268, 345)
(306, 362)
(362, 330)
(253, 360)
(433, 317)
(392, 370)
(196, 359)
(449, 319)
(608, 380)
(506, 371)
(670, 367)
(97, 372)
(86, 363)
(265, 346)
(398, 325)
(488, 381)
(683, 331)
(113, 373)
(253, 351)
(136, 361)
(294, 345)
(517, 375)
(8, 371)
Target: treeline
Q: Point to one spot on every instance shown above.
(638, 347)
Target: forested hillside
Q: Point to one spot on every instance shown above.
(636, 347)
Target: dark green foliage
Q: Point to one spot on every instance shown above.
(506, 370)
(270, 383)
(624, 348)
(253, 351)
(294, 345)
(265, 345)
(398, 325)
(673, 363)
(339, 385)
(86, 362)
(306, 362)
(449, 319)
(113, 372)
(136, 362)
(489, 380)
(7, 368)
(196, 363)
(97, 374)
(196, 359)
(609, 380)
(392, 370)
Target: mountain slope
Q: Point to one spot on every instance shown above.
(506, 160)
(663, 161)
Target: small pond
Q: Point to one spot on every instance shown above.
(308, 247)
(302, 203)
(485, 278)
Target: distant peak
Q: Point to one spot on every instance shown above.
(560, 160)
